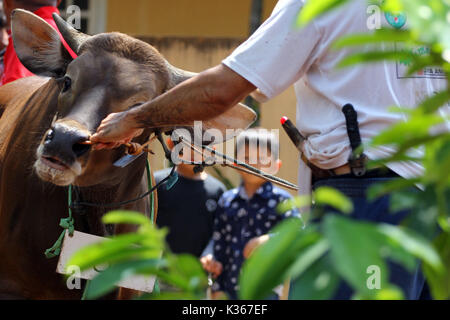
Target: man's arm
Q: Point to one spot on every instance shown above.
(200, 98)
(203, 97)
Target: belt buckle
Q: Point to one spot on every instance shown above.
(358, 164)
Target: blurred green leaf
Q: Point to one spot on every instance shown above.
(267, 266)
(402, 132)
(312, 9)
(185, 272)
(421, 62)
(379, 36)
(394, 6)
(107, 280)
(318, 282)
(440, 282)
(334, 198)
(293, 203)
(375, 56)
(381, 189)
(113, 250)
(126, 217)
(403, 200)
(414, 244)
(434, 102)
(391, 293)
(355, 246)
(308, 256)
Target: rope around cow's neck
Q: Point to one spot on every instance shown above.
(68, 224)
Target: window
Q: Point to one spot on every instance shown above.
(92, 12)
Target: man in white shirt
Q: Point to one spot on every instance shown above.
(279, 55)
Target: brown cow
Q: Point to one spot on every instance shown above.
(43, 122)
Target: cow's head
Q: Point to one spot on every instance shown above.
(113, 72)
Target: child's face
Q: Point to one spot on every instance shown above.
(260, 158)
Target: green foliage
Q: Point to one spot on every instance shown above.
(315, 8)
(355, 247)
(318, 282)
(333, 198)
(343, 249)
(270, 262)
(141, 253)
(440, 281)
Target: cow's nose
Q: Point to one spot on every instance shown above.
(66, 141)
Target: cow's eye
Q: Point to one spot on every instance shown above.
(67, 84)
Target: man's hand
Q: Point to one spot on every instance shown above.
(115, 130)
(211, 265)
(253, 244)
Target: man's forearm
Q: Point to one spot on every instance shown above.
(201, 98)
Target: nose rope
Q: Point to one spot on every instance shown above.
(133, 148)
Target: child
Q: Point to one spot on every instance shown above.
(187, 209)
(245, 215)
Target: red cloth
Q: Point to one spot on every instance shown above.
(13, 68)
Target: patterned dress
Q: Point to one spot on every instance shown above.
(239, 219)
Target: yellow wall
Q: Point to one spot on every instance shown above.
(182, 18)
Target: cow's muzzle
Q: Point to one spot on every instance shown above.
(59, 154)
(65, 143)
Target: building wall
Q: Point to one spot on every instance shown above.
(183, 18)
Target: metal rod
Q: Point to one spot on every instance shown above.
(245, 167)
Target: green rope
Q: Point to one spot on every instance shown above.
(66, 224)
(150, 186)
(152, 210)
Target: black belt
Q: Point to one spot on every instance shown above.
(374, 173)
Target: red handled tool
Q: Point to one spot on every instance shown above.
(293, 133)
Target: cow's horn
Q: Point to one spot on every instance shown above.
(177, 75)
(73, 37)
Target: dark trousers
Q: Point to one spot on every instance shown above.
(378, 211)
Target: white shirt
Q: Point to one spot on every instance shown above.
(280, 54)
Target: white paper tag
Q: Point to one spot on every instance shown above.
(80, 240)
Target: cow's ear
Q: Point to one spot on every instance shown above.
(38, 45)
